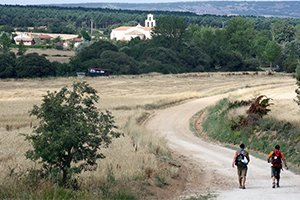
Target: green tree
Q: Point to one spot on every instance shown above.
(34, 65)
(7, 65)
(297, 32)
(291, 53)
(70, 132)
(90, 53)
(7, 29)
(260, 42)
(85, 35)
(272, 52)
(165, 56)
(282, 31)
(240, 34)
(95, 50)
(169, 31)
(211, 40)
(21, 49)
(4, 43)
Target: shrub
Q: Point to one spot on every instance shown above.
(70, 132)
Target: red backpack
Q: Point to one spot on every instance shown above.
(276, 159)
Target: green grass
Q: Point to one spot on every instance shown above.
(261, 137)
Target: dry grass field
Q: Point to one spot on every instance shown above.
(52, 55)
(128, 98)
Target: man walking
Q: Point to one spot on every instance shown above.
(241, 159)
(276, 157)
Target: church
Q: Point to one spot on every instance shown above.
(126, 33)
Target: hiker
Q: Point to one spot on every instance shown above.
(276, 157)
(241, 160)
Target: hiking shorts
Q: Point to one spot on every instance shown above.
(242, 171)
(275, 171)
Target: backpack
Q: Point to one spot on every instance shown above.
(276, 160)
(241, 159)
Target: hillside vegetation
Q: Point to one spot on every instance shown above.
(254, 8)
(180, 44)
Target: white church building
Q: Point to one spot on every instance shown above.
(126, 33)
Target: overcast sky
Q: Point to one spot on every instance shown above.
(31, 2)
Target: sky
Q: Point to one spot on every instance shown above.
(38, 2)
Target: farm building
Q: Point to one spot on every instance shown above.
(26, 38)
(126, 33)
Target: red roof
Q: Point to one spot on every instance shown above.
(122, 28)
(77, 40)
(24, 40)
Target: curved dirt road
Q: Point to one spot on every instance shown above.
(215, 161)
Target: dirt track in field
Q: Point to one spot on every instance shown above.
(214, 160)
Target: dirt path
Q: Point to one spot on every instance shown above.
(215, 161)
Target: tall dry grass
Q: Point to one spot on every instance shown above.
(130, 99)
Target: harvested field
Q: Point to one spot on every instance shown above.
(126, 97)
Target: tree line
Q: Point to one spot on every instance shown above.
(71, 20)
(180, 43)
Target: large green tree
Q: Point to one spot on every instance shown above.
(7, 65)
(240, 34)
(291, 53)
(34, 65)
(4, 43)
(260, 41)
(71, 131)
(272, 52)
(169, 31)
(283, 31)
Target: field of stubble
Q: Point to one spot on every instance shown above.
(128, 98)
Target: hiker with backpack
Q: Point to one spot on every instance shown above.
(241, 159)
(276, 157)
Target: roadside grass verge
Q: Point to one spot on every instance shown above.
(133, 163)
(261, 138)
(209, 196)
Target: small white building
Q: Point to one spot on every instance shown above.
(126, 33)
(26, 38)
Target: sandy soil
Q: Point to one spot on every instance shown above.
(214, 160)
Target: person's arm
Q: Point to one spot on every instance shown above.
(270, 156)
(234, 157)
(284, 160)
(248, 156)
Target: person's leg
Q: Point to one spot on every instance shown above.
(244, 181)
(278, 177)
(273, 173)
(273, 183)
(240, 182)
(244, 174)
(239, 177)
